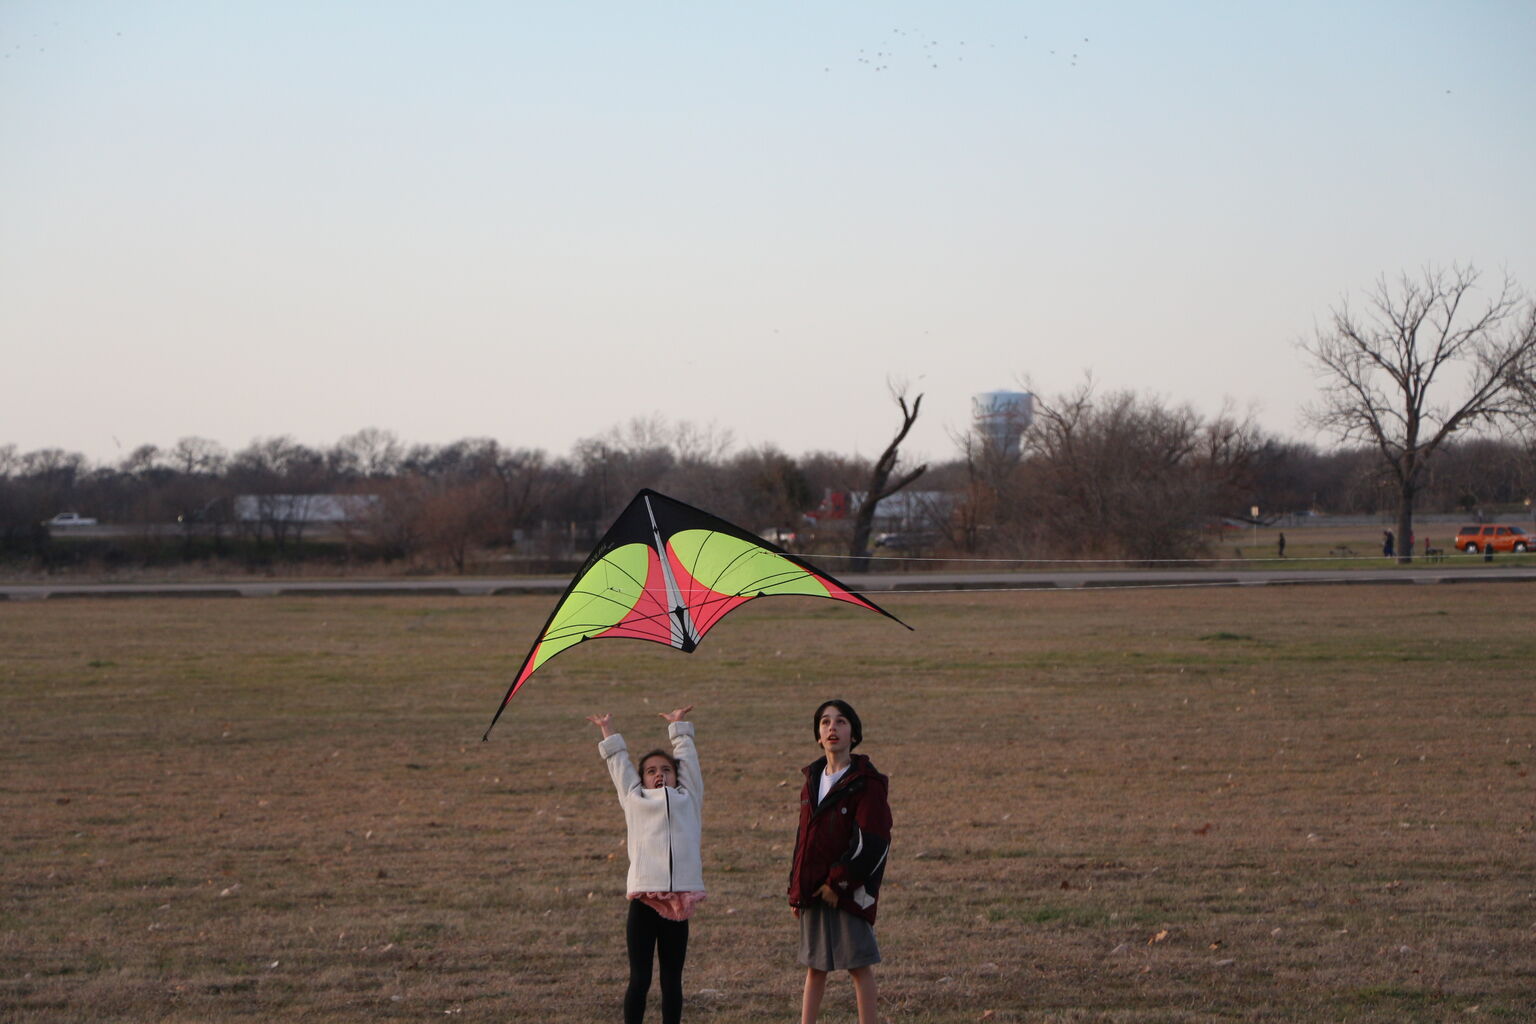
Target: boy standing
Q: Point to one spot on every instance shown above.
(840, 853)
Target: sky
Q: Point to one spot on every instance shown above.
(537, 222)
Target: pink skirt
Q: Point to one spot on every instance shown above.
(674, 906)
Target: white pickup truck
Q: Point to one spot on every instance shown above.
(70, 519)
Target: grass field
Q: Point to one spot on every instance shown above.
(1276, 804)
(1330, 546)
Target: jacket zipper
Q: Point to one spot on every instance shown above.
(668, 798)
(843, 788)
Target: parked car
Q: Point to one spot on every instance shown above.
(1473, 539)
(70, 519)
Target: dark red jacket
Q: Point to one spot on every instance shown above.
(843, 840)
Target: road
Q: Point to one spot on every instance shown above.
(875, 583)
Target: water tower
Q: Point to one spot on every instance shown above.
(1000, 418)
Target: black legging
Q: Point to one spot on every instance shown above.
(648, 933)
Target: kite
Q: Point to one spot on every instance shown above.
(667, 572)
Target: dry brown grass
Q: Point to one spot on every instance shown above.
(1266, 804)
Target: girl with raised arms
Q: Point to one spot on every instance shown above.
(663, 812)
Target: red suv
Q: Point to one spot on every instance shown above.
(1473, 539)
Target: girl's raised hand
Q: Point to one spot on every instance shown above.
(676, 714)
(603, 722)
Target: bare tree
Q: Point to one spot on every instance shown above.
(54, 465)
(1123, 476)
(198, 455)
(281, 475)
(370, 453)
(525, 485)
(652, 451)
(458, 516)
(880, 486)
(143, 460)
(763, 489)
(1384, 371)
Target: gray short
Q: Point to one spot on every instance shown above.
(835, 940)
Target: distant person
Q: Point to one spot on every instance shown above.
(840, 851)
(1386, 543)
(1280, 545)
(663, 804)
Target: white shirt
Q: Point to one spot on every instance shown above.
(828, 781)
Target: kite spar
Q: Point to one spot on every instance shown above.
(667, 572)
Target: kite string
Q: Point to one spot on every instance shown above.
(1107, 561)
(1089, 587)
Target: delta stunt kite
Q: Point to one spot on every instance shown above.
(667, 572)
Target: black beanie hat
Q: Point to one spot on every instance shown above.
(848, 713)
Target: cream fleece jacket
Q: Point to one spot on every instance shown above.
(664, 824)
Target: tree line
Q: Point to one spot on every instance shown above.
(1116, 475)
(1430, 393)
